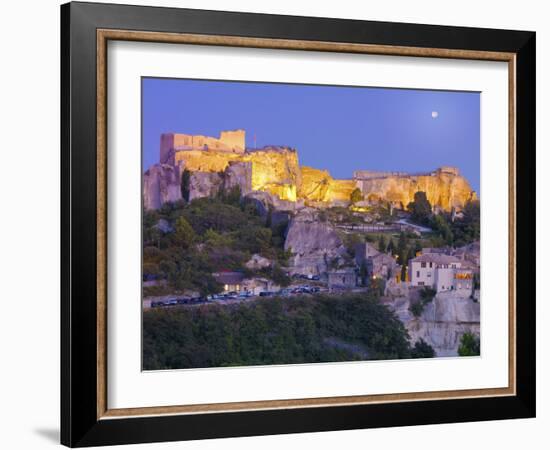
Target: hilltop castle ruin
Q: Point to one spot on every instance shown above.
(171, 144)
(224, 162)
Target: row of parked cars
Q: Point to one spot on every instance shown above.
(298, 276)
(178, 301)
(306, 289)
(230, 295)
(293, 291)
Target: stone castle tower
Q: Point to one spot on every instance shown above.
(231, 141)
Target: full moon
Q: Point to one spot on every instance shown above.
(435, 114)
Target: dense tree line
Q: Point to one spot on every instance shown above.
(453, 231)
(276, 331)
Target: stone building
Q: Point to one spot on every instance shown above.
(380, 265)
(232, 141)
(342, 279)
(441, 272)
(231, 281)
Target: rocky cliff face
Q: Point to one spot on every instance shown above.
(204, 184)
(444, 190)
(318, 186)
(161, 184)
(208, 184)
(238, 174)
(315, 245)
(442, 323)
(273, 169)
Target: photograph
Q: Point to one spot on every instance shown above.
(300, 223)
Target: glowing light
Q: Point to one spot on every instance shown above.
(435, 114)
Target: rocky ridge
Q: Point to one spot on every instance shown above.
(443, 322)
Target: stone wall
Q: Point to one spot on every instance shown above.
(233, 141)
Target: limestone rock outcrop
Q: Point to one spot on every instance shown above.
(204, 184)
(444, 189)
(315, 245)
(273, 169)
(238, 174)
(442, 323)
(257, 262)
(161, 184)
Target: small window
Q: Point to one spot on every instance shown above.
(431, 265)
(423, 264)
(420, 283)
(418, 273)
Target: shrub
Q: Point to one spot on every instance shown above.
(469, 345)
(422, 349)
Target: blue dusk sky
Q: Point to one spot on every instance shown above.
(337, 128)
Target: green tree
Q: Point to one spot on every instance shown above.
(279, 276)
(356, 196)
(382, 244)
(402, 249)
(469, 345)
(420, 208)
(184, 234)
(427, 294)
(416, 308)
(378, 286)
(391, 246)
(441, 225)
(417, 247)
(411, 253)
(422, 349)
(363, 273)
(185, 181)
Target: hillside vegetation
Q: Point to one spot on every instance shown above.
(205, 236)
(303, 329)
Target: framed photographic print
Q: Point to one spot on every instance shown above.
(277, 224)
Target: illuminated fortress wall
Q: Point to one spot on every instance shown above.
(276, 170)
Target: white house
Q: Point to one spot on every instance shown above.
(440, 272)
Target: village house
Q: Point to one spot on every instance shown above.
(469, 253)
(345, 278)
(231, 281)
(440, 272)
(255, 286)
(378, 264)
